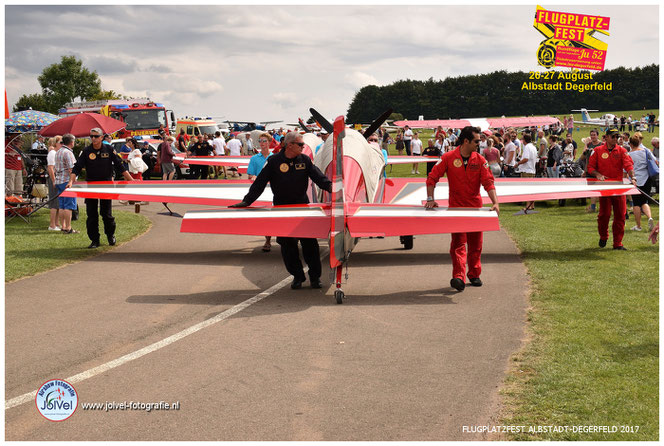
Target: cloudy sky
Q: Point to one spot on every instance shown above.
(274, 62)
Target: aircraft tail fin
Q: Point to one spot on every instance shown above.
(338, 223)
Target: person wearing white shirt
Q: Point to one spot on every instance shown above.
(483, 143)
(220, 150)
(235, 149)
(407, 138)
(416, 147)
(527, 165)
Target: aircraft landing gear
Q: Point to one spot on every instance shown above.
(338, 293)
(406, 241)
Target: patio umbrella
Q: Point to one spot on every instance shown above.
(79, 125)
(28, 121)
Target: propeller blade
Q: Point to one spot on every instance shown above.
(329, 128)
(304, 127)
(377, 123)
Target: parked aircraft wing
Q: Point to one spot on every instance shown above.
(412, 191)
(411, 159)
(300, 220)
(215, 160)
(205, 192)
(385, 220)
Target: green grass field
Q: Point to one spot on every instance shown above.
(30, 248)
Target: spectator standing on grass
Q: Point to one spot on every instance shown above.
(510, 155)
(483, 144)
(399, 145)
(431, 150)
(166, 155)
(14, 167)
(64, 163)
(136, 165)
(53, 203)
(492, 156)
(256, 164)
(416, 147)
(527, 165)
(235, 149)
(407, 138)
(553, 157)
(643, 182)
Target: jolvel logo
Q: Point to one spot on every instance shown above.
(570, 39)
(56, 400)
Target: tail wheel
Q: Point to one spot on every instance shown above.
(339, 296)
(406, 241)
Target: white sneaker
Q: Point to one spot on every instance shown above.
(651, 225)
(636, 228)
(53, 229)
(412, 172)
(417, 172)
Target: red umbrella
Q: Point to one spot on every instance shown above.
(79, 125)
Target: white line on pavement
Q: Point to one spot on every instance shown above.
(157, 345)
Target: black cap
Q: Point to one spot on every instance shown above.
(612, 132)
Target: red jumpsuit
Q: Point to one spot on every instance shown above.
(464, 191)
(611, 163)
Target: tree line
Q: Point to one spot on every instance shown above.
(500, 93)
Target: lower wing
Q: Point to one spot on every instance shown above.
(205, 192)
(300, 220)
(412, 191)
(372, 220)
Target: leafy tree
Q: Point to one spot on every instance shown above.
(107, 94)
(34, 101)
(65, 81)
(395, 117)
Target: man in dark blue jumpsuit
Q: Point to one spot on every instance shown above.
(288, 173)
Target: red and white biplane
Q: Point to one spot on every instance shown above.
(363, 202)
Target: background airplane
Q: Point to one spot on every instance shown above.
(602, 121)
(363, 203)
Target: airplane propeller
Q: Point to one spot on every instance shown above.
(377, 123)
(329, 128)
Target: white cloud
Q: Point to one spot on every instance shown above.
(358, 79)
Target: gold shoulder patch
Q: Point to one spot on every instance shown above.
(92, 156)
(283, 167)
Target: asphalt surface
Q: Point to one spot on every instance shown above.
(405, 357)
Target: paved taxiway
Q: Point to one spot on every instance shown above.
(406, 357)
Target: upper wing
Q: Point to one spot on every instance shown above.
(411, 159)
(215, 160)
(299, 220)
(388, 220)
(206, 192)
(412, 191)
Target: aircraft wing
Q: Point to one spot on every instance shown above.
(482, 123)
(215, 160)
(411, 159)
(371, 220)
(205, 192)
(412, 191)
(299, 220)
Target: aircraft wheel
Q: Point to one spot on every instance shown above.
(407, 241)
(339, 296)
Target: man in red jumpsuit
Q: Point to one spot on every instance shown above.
(607, 163)
(466, 169)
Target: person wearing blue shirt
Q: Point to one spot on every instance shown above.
(256, 164)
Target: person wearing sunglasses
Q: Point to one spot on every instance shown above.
(99, 161)
(607, 163)
(466, 170)
(288, 173)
